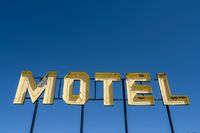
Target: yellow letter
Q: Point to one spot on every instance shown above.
(107, 79)
(82, 98)
(166, 94)
(27, 82)
(133, 89)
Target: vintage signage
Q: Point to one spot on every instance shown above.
(47, 85)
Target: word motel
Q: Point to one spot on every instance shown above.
(137, 94)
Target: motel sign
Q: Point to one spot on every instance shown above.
(137, 94)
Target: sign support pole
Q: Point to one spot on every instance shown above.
(170, 119)
(125, 110)
(34, 117)
(82, 118)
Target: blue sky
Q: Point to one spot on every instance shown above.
(100, 36)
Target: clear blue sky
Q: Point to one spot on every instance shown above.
(100, 36)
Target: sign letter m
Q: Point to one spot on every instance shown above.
(27, 82)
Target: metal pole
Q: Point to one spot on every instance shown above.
(125, 110)
(168, 114)
(59, 88)
(95, 90)
(170, 119)
(34, 116)
(82, 118)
